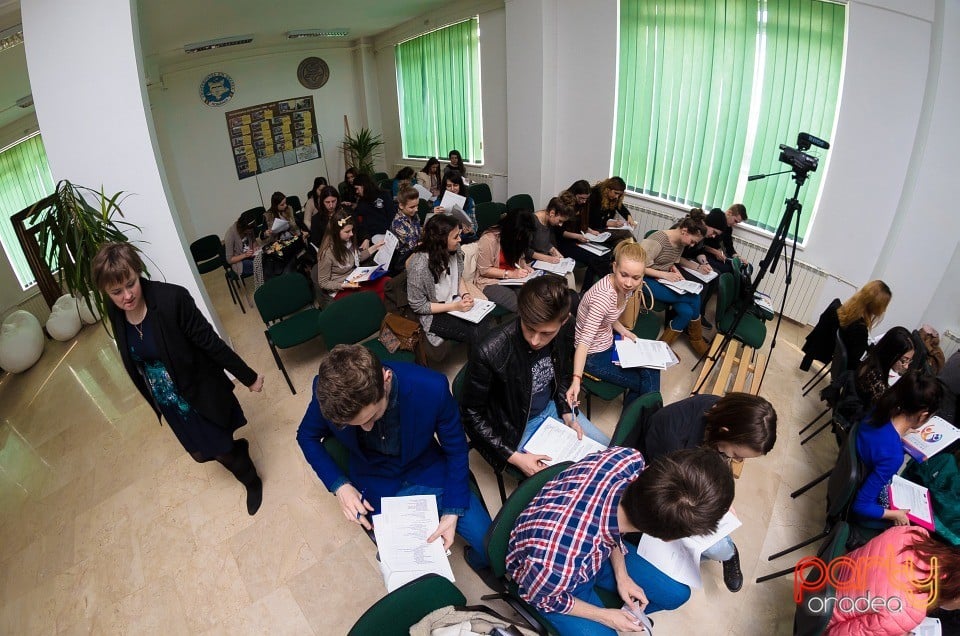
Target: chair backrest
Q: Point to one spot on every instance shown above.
(401, 609)
(206, 248)
(488, 215)
(470, 268)
(845, 479)
(281, 296)
(648, 233)
(386, 185)
(838, 364)
(380, 176)
(631, 429)
(457, 386)
(807, 621)
(498, 535)
(520, 202)
(294, 202)
(351, 319)
(423, 209)
(725, 293)
(480, 193)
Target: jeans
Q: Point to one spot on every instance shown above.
(452, 328)
(636, 380)
(722, 550)
(589, 428)
(472, 525)
(687, 306)
(663, 593)
(246, 267)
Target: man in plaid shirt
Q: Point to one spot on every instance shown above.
(567, 542)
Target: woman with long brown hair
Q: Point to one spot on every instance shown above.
(859, 315)
(338, 257)
(607, 211)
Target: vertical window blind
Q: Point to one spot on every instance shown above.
(438, 87)
(708, 90)
(24, 179)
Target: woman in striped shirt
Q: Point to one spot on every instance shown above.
(664, 249)
(597, 321)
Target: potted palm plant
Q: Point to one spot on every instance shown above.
(362, 149)
(61, 234)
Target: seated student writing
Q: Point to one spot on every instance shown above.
(406, 227)
(886, 361)
(435, 284)
(923, 574)
(501, 255)
(664, 250)
(737, 425)
(543, 243)
(338, 257)
(607, 211)
(240, 243)
(598, 318)
(567, 542)
(401, 428)
(575, 235)
(695, 258)
(454, 183)
(718, 244)
(518, 376)
(904, 407)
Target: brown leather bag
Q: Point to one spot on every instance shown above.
(402, 334)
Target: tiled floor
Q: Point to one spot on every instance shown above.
(109, 527)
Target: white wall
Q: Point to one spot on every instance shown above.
(196, 147)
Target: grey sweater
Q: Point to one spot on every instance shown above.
(421, 290)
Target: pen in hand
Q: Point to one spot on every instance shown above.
(363, 495)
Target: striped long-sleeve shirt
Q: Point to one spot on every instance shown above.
(570, 528)
(597, 312)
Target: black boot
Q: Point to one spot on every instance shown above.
(732, 576)
(246, 473)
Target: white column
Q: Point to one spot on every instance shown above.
(88, 86)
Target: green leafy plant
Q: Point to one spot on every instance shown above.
(362, 149)
(70, 231)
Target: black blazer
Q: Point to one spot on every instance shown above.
(192, 352)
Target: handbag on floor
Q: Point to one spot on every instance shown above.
(402, 334)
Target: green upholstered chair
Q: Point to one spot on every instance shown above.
(488, 215)
(806, 622)
(480, 193)
(209, 255)
(353, 319)
(401, 609)
(751, 331)
(630, 428)
(380, 176)
(286, 306)
(603, 390)
(294, 202)
(520, 202)
(423, 209)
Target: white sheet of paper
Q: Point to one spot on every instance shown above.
(931, 438)
(385, 254)
(652, 354)
(682, 286)
(478, 312)
(599, 250)
(929, 627)
(906, 495)
(362, 274)
(597, 238)
(559, 442)
(424, 193)
(705, 277)
(401, 529)
(279, 225)
(451, 200)
(521, 281)
(564, 267)
(680, 559)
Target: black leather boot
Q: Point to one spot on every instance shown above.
(732, 576)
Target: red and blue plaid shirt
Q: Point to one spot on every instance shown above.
(565, 534)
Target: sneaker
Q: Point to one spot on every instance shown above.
(706, 323)
(732, 576)
(486, 573)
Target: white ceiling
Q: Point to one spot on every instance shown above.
(167, 25)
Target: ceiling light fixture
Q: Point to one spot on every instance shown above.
(208, 45)
(11, 37)
(318, 33)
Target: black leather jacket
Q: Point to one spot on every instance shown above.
(497, 390)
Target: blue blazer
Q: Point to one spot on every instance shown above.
(433, 446)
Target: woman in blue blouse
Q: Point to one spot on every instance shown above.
(454, 183)
(904, 407)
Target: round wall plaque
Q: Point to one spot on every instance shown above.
(216, 89)
(313, 73)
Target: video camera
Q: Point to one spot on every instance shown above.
(797, 159)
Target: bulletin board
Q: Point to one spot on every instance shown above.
(273, 135)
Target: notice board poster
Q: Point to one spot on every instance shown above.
(273, 135)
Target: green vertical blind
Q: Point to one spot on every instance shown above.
(438, 87)
(707, 90)
(24, 179)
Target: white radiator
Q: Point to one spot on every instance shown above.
(949, 342)
(805, 287)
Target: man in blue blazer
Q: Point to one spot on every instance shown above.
(402, 430)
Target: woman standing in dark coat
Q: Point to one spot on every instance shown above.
(177, 362)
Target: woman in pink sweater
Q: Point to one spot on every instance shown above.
(896, 567)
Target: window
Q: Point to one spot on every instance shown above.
(438, 87)
(24, 179)
(708, 90)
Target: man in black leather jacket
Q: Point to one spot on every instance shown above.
(518, 376)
